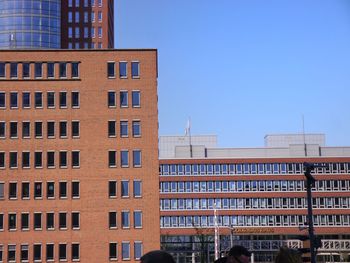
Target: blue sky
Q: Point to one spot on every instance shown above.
(242, 69)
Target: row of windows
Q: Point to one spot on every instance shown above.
(124, 99)
(38, 128)
(87, 3)
(37, 99)
(23, 221)
(248, 168)
(251, 203)
(38, 69)
(123, 69)
(75, 16)
(37, 251)
(125, 189)
(250, 220)
(125, 250)
(86, 31)
(84, 45)
(38, 160)
(251, 186)
(124, 158)
(125, 219)
(52, 190)
(124, 128)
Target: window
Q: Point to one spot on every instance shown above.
(25, 221)
(2, 100)
(51, 99)
(77, 17)
(63, 189)
(123, 69)
(137, 188)
(38, 70)
(13, 129)
(75, 159)
(112, 219)
(37, 221)
(137, 219)
(136, 128)
(38, 129)
(50, 221)
(75, 189)
(26, 100)
(136, 98)
(99, 3)
(136, 158)
(62, 220)
(12, 221)
(75, 129)
(13, 159)
(63, 129)
(86, 16)
(62, 252)
(24, 253)
(75, 220)
(124, 158)
(26, 129)
(92, 28)
(99, 16)
(111, 129)
(13, 70)
(51, 159)
(25, 159)
(63, 159)
(77, 33)
(25, 190)
(50, 129)
(70, 3)
(125, 219)
(2, 129)
(75, 99)
(38, 159)
(12, 190)
(38, 191)
(113, 251)
(14, 100)
(38, 99)
(112, 189)
(2, 160)
(50, 190)
(63, 99)
(125, 188)
(75, 252)
(123, 99)
(135, 69)
(50, 70)
(2, 191)
(138, 250)
(70, 17)
(124, 128)
(49, 252)
(110, 69)
(99, 32)
(37, 252)
(63, 70)
(25, 70)
(125, 250)
(112, 158)
(2, 70)
(75, 70)
(111, 99)
(11, 253)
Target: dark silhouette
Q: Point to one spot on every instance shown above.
(157, 256)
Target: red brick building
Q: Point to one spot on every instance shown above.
(78, 155)
(87, 24)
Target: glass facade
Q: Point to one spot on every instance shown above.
(30, 24)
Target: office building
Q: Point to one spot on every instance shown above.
(78, 155)
(257, 194)
(53, 24)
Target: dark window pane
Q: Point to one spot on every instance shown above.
(111, 129)
(123, 99)
(2, 99)
(136, 99)
(25, 129)
(123, 69)
(38, 70)
(75, 70)
(25, 159)
(26, 100)
(63, 189)
(112, 158)
(63, 99)
(51, 99)
(111, 69)
(63, 70)
(75, 159)
(50, 70)
(111, 99)
(75, 99)
(13, 70)
(135, 69)
(25, 70)
(13, 99)
(38, 99)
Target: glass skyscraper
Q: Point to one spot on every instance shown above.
(30, 24)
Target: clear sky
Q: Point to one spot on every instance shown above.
(242, 69)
